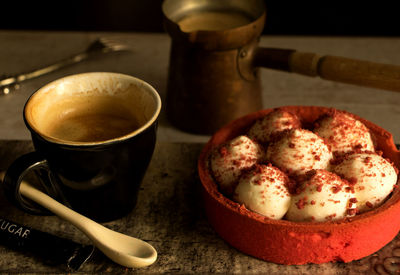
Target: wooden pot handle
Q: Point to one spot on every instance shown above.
(340, 69)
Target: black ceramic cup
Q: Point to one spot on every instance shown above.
(94, 135)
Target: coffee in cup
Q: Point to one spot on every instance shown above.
(75, 120)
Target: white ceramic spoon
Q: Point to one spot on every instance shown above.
(120, 248)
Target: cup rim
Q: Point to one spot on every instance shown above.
(136, 132)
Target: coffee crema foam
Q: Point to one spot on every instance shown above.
(89, 119)
(92, 127)
(213, 21)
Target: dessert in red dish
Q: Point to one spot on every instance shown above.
(342, 202)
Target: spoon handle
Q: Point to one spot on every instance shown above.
(78, 220)
(130, 252)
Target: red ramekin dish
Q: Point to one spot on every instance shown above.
(293, 243)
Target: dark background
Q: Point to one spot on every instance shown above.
(360, 18)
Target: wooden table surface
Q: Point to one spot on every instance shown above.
(170, 216)
(169, 213)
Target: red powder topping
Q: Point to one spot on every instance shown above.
(311, 173)
(258, 182)
(301, 203)
(312, 202)
(352, 180)
(353, 200)
(352, 211)
(367, 160)
(336, 160)
(292, 186)
(336, 189)
(358, 147)
(330, 217)
(298, 190)
(223, 151)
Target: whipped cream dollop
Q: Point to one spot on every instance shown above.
(322, 196)
(343, 133)
(264, 129)
(229, 160)
(265, 190)
(371, 176)
(298, 151)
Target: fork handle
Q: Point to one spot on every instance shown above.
(16, 79)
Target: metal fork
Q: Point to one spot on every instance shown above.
(98, 46)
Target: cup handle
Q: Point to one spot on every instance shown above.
(335, 68)
(18, 170)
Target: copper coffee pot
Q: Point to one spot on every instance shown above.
(213, 73)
